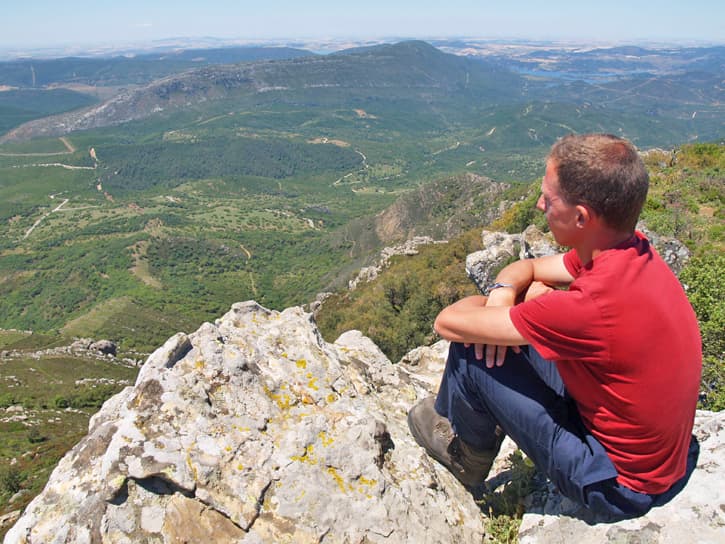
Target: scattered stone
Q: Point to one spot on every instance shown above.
(18, 496)
(320, 299)
(8, 519)
(81, 343)
(104, 346)
(101, 381)
(410, 247)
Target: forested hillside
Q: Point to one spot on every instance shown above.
(686, 201)
(264, 180)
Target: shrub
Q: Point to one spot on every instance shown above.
(702, 279)
(10, 480)
(505, 506)
(34, 436)
(60, 401)
(7, 399)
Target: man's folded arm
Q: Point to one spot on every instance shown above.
(549, 270)
(486, 320)
(472, 322)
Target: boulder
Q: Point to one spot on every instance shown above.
(500, 248)
(104, 346)
(537, 244)
(254, 429)
(81, 343)
(673, 252)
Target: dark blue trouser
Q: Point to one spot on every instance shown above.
(527, 399)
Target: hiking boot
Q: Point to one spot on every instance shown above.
(435, 434)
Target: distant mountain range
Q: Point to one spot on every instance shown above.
(659, 96)
(129, 69)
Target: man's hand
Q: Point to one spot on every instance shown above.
(496, 355)
(486, 321)
(536, 289)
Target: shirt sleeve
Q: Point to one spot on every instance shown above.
(572, 262)
(563, 325)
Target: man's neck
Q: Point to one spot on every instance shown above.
(606, 239)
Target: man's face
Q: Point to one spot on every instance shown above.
(560, 215)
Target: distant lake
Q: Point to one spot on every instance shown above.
(588, 77)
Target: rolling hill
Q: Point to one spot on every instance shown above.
(273, 179)
(649, 106)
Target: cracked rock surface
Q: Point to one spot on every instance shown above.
(251, 430)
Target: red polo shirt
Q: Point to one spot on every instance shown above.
(626, 343)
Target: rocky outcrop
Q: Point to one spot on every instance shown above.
(253, 429)
(104, 346)
(410, 247)
(82, 347)
(443, 209)
(672, 251)
(500, 248)
(697, 514)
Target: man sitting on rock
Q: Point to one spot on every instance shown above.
(601, 393)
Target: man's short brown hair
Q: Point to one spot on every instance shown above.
(603, 172)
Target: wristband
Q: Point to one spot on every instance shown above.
(497, 285)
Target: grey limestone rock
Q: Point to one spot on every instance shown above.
(695, 515)
(253, 429)
(104, 346)
(672, 251)
(409, 248)
(500, 248)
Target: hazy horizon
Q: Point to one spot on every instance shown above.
(76, 24)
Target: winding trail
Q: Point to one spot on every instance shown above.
(47, 164)
(68, 146)
(56, 209)
(365, 164)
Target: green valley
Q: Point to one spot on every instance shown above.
(258, 180)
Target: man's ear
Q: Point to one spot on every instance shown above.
(583, 216)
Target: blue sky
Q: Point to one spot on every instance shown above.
(26, 23)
